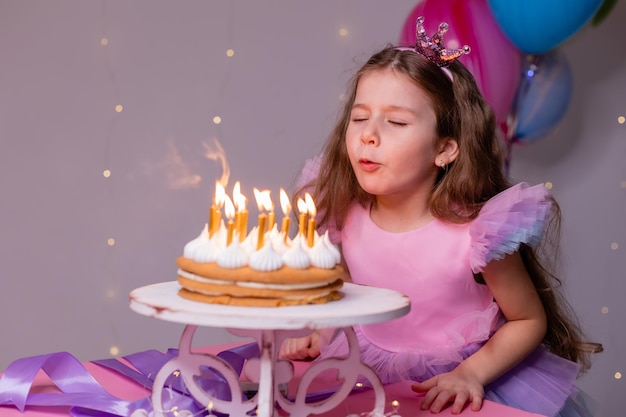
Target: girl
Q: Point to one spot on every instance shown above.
(411, 183)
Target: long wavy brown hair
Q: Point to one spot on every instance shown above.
(462, 188)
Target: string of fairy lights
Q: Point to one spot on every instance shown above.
(104, 43)
(615, 245)
(108, 175)
(217, 118)
(117, 109)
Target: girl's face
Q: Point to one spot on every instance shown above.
(391, 136)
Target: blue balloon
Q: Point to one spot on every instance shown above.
(542, 98)
(537, 26)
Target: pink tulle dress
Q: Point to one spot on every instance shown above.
(451, 314)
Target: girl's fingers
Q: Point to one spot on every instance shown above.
(459, 402)
(430, 398)
(425, 386)
(442, 399)
(477, 401)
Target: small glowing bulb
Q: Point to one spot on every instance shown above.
(106, 173)
(605, 310)
(614, 245)
(343, 32)
(621, 120)
(548, 185)
(217, 120)
(110, 241)
(618, 375)
(114, 351)
(359, 385)
(230, 52)
(395, 403)
(104, 41)
(119, 108)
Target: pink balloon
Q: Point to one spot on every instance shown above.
(494, 61)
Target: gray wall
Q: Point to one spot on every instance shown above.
(66, 289)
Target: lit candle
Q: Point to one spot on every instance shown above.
(271, 216)
(211, 220)
(261, 230)
(302, 217)
(230, 214)
(236, 194)
(216, 214)
(212, 210)
(263, 202)
(310, 208)
(241, 217)
(285, 205)
(243, 224)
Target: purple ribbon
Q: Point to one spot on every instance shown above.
(86, 397)
(78, 388)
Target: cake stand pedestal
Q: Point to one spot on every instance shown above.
(269, 327)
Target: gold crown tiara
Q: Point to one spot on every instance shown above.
(433, 48)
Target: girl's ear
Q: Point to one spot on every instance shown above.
(448, 151)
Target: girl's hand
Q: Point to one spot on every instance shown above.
(452, 387)
(301, 348)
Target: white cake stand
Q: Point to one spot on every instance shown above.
(269, 326)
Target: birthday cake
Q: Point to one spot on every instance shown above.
(270, 271)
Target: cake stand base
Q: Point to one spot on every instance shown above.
(270, 373)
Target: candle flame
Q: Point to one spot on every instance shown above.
(310, 205)
(285, 204)
(220, 194)
(229, 207)
(269, 204)
(301, 205)
(263, 200)
(238, 198)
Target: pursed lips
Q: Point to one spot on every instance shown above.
(368, 165)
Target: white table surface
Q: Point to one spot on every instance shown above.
(359, 305)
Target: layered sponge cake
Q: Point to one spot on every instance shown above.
(281, 272)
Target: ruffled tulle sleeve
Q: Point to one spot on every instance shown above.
(517, 215)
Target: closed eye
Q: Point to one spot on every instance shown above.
(394, 122)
